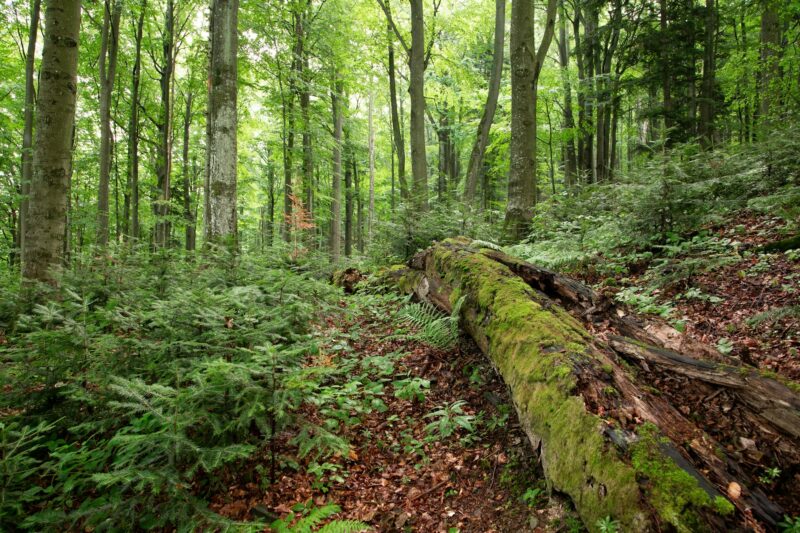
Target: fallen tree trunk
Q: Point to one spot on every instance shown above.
(608, 435)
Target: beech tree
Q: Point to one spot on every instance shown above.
(222, 123)
(43, 245)
(527, 66)
(482, 139)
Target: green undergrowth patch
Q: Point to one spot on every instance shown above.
(131, 388)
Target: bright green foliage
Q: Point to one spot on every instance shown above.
(307, 518)
(448, 419)
(411, 389)
(790, 525)
(135, 381)
(607, 525)
(434, 328)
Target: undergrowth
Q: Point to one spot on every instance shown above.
(129, 389)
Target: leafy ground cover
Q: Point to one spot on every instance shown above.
(243, 394)
(442, 452)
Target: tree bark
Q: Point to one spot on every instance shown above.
(416, 89)
(161, 205)
(45, 233)
(371, 148)
(348, 197)
(336, 193)
(482, 139)
(221, 213)
(524, 92)
(108, 72)
(770, 57)
(568, 127)
(188, 214)
(707, 103)
(27, 130)
(598, 407)
(397, 132)
(131, 206)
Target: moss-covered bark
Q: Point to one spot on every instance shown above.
(541, 351)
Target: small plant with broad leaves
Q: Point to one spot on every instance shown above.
(448, 419)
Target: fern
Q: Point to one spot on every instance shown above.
(314, 517)
(433, 327)
(774, 315)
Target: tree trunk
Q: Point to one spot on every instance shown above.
(666, 71)
(348, 197)
(336, 193)
(45, 231)
(221, 213)
(359, 229)
(568, 122)
(371, 148)
(770, 59)
(27, 131)
(166, 70)
(482, 139)
(188, 214)
(707, 104)
(416, 89)
(108, 71)
(602, 413)
(397, 132)
(524, 92)
(131, 206)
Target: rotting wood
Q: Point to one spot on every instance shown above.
(559, 374)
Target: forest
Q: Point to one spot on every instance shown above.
(427, 266)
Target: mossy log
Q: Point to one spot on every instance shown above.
(783, 245)
(614, 445)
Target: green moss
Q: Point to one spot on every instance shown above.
(674, 493)
(534, 345)
(723, 506)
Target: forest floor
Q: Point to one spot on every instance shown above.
(398, 475)
(747, 305)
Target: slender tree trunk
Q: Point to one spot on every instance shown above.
(348, 197)
(584, 89)
(707, 106)
(416, 64)
(271, 207)
(359, 200)
(666, 71)
(287, 108)
(336, 194)
(191, 229)
(27, 131)
(45, 233)
(308, 151)
(131, 205)
(371, 148)
(568, 122)
(397, 131)
(164, 162)
(770, 57)
(108, 72)
(524, 92)
(482, 139)
(221, 213)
